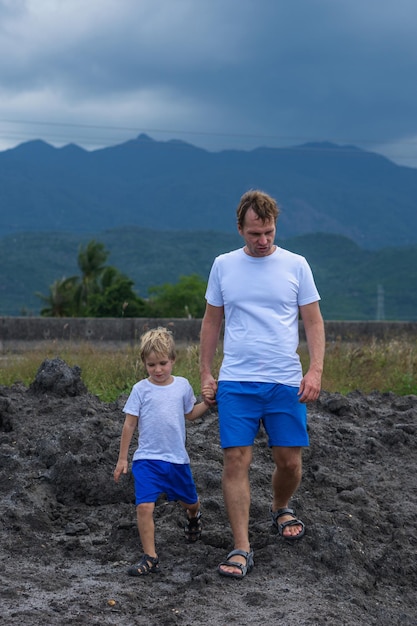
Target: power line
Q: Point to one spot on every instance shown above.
(104, 142)
(205, 133)
(93, 142)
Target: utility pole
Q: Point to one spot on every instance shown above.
(380, 304)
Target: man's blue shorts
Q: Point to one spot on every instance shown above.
(152, 478)
(243, 406)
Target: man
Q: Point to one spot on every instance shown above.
(260, 290)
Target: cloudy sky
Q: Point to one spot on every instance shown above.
(216, 73)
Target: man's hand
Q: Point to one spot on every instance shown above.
(310, 387)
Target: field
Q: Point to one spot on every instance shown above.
(385, 366)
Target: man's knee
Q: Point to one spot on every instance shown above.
(237, 459)
(288, 459)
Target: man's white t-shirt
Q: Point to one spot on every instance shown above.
(161, 425)
(261, 298)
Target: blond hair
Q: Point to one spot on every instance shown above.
(158, 340)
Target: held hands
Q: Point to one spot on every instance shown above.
(209, 393)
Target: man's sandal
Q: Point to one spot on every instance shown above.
(193, 528)
(147, 565)
(244, 569)
(275, 515)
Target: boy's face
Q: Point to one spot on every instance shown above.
(159, 368)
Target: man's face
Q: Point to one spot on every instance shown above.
(259, 236)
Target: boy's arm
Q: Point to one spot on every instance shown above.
(129, 428)
(200, 408)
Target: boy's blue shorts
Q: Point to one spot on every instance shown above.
(243, 406)
(152, 478)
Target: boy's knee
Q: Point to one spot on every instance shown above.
(145, 508)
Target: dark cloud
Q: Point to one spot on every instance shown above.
(218, 73)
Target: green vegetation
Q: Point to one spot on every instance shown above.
(103, 291)
(100, 291)
(185, 299)
(349, 278)
(108, 373)
(376, 366)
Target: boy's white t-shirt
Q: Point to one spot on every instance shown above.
(160, 410)
(261, 298)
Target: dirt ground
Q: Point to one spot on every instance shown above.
(68, 532)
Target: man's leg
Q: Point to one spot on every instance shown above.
(236, 493)
(286, 479)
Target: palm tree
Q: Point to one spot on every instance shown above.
(91, 261)
(101, 291)
(61, 301)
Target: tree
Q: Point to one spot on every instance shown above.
(115, 297)
(91, 261)
(100, 291)
(61, 300)
(103, 291)
(185, 299)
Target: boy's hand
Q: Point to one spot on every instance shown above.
(121, 468)
(209, 393)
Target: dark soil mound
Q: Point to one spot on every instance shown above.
(68, 532)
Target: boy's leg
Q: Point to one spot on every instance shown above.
(193, 526)
(192, 510)
(146, 527)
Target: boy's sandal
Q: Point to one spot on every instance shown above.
(244, 569)
(147, 565)
(275, 515)
(193, 528)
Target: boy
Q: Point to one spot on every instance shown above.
(157, 406)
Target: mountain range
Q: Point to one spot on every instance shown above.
(166, 209)
(174, 185)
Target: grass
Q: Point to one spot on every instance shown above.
(374, 366)
(109, 373)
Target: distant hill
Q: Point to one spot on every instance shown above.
(175, 186)
(348, 277)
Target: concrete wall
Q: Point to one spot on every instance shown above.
(21, 330)
(15, 330)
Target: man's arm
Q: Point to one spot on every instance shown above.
(314, 328)
(209, 338)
